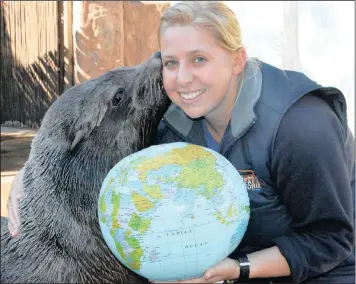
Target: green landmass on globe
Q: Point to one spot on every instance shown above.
(157, 207)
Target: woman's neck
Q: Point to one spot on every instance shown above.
(217, 130)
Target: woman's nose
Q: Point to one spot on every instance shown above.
(184, 76)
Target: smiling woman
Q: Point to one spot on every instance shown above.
(201, 61)
(288, 132)
(200, 75)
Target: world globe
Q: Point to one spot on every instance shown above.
(172, 211)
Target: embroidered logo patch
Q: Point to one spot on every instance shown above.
(250, 179)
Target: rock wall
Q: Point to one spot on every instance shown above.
(109, 34)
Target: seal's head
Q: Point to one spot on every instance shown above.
(117, 113)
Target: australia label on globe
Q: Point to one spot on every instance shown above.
(171, 211)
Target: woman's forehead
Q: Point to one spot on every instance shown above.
(186, 40)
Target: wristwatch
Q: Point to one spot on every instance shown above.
(244, 264)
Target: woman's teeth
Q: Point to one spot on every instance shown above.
(190, 96)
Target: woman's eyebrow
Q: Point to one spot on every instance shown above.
(196, 51)
(189, 53)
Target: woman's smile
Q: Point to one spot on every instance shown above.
(189, 97)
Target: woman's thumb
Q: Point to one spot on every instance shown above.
(211, 272)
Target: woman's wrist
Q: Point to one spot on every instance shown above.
(238, 271)
(242, 268)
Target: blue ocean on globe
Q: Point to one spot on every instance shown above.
(172, 211)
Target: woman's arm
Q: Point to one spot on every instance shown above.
(314, 171)
(268, 263)
(263, 264)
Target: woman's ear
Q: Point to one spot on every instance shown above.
(239, 61)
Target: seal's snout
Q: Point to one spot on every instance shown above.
(157, 55)
(155, 59)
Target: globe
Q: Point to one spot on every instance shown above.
(171, 211)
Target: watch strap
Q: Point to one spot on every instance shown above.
(244, 266)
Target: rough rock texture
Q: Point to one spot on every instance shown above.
(109, 34)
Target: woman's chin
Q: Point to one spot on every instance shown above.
(193, 113)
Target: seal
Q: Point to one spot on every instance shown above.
(84, 133)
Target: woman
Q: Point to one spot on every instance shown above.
(279, 129)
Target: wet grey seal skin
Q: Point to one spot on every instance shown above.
(83, 135)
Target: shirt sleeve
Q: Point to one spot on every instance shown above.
(311, 168)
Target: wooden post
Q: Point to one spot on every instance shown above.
(68, 44)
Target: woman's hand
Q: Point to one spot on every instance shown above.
(225, 270)
(13, 205)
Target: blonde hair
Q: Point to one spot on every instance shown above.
(215, 16)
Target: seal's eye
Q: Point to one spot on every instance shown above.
(116, 100)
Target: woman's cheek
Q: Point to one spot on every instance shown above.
(168, 80)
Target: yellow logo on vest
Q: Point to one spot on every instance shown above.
(250, 179)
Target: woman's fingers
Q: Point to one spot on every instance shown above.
(13, 205)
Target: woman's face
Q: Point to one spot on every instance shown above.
(198, 75)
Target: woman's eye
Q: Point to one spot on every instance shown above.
(169, 63)
(116, 100)
(199, 59)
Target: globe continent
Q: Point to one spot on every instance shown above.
(171, 211)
